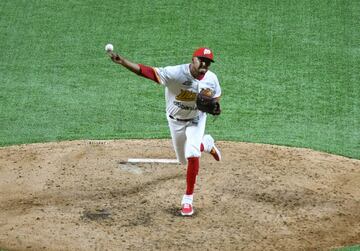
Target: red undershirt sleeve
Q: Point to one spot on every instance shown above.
(148, 72)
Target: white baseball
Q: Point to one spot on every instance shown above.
(109, 47)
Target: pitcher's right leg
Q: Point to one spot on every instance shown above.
(209, 146)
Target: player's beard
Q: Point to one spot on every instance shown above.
(196, 68)
(202, 70)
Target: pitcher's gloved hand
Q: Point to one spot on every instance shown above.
(206, 103)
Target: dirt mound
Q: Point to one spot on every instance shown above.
(83, 195)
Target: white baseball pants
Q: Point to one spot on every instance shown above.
(187, 137)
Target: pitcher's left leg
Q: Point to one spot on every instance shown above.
(194, 134)
(178, 137)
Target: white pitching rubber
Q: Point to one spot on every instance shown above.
(166, 161)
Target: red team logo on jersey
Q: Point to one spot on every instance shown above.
(186, 95)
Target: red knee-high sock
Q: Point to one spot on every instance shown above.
(201, 147)
(192, 171)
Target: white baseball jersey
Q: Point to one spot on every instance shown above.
(180, 95)
(182, 87)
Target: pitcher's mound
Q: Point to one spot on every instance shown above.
(83, 195)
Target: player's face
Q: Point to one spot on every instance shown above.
(201, 65)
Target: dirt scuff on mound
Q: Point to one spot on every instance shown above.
(83, 195)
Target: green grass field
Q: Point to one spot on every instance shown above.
(352, 248)
(289, 69)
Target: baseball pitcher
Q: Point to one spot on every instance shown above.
(191, 91)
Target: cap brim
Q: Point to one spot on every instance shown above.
(212, 61)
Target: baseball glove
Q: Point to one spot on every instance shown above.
(206, 103)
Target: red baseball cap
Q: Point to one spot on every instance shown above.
(204, 53)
